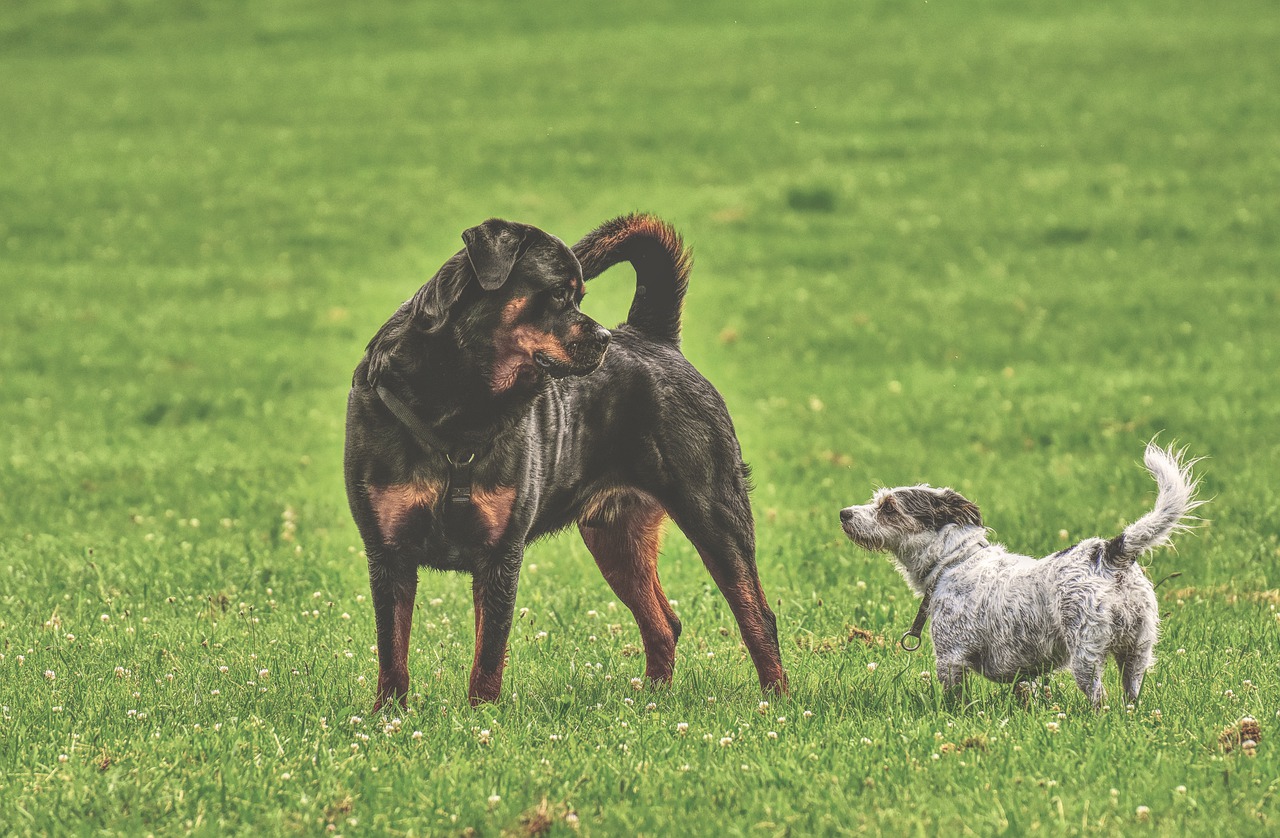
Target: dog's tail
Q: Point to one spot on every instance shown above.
(660, 259)
(1175, 502)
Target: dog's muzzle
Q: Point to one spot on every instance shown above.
(587, 353)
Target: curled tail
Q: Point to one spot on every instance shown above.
(1177, 498)
(662, 264)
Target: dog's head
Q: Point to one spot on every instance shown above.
(906, 520)
(511, 298)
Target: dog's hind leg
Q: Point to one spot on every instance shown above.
(719, 525)
(1087, 668)
(1133, 650)
(626, 550)
(1133, 667)
(393, 582)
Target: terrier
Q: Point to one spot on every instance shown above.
(1011, 617)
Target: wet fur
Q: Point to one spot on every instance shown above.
(1010, 617)
(613, 442)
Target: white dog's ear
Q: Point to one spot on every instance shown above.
(960, 509)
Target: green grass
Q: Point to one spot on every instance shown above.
(992, 245)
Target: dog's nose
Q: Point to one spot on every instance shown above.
(846, 515)
(603, 335)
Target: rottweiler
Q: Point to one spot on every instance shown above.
(489, 411)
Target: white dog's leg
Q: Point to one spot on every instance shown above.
(1133, 667)
(951, 676)
(1087, 668)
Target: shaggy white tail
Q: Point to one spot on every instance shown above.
(1177, 498)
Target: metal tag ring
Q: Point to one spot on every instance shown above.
(468, 461)
(903, 642)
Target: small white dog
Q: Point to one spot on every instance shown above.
(1011, 617)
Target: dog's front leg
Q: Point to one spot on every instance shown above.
(393, 581)
(951, 677)
(494, 590)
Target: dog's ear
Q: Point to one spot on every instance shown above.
(492, 250)
(960, 509)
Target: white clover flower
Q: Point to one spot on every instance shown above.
(50, 675)
(871, 667)
(494, 800)
(682, 728)
(773, 734)
(726, 741)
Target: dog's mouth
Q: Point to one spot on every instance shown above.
(559, 369)
(552, 367)
(859, 536)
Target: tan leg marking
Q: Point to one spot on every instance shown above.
(623, 529)
(493, 508)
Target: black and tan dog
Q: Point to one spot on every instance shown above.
(487, 413)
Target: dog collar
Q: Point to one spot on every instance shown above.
(458, 493)
(916, 627)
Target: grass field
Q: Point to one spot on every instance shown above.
(993, 245)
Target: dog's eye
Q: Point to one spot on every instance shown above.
(887, 506)
(560, 296)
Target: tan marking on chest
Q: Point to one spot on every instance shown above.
(493, 509)
(393, 504)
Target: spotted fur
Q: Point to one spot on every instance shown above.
(1010, 617)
